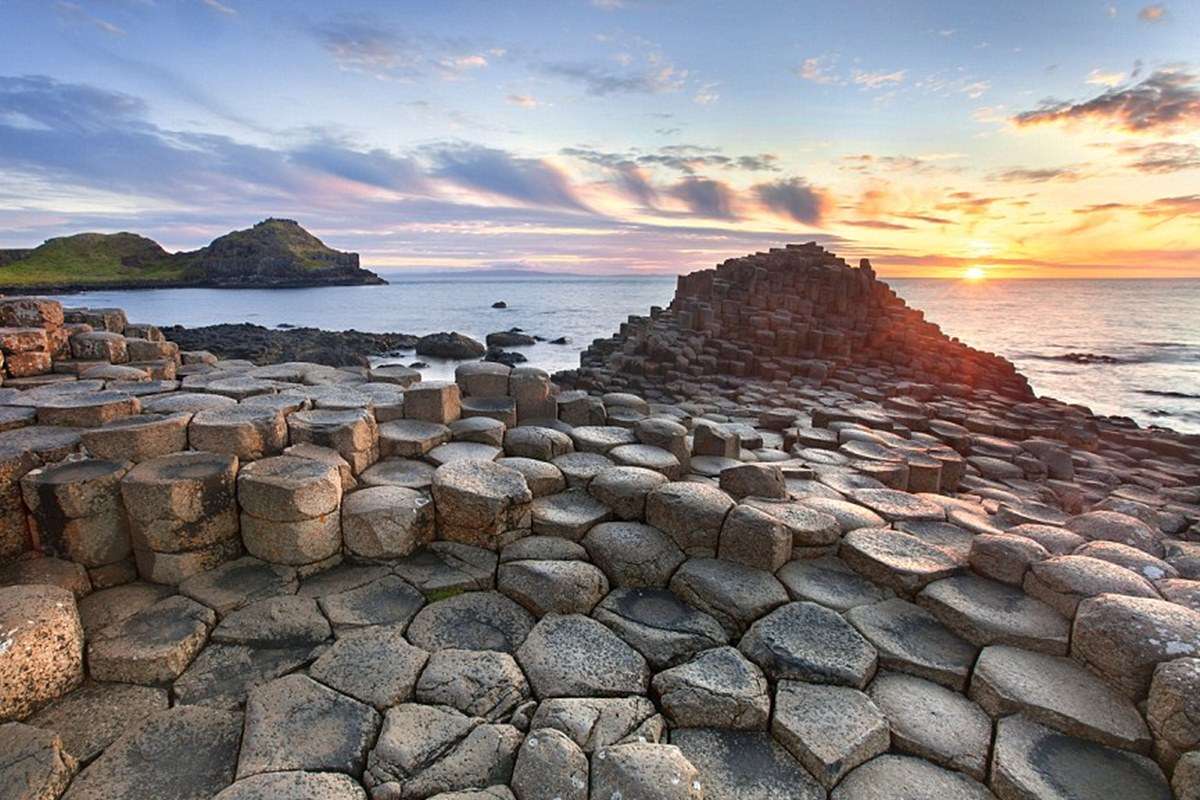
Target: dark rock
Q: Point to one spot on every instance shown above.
(452, 345)
(499, 304)
(510, 338)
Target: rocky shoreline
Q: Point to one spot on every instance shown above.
(782, 539)
(260, 345)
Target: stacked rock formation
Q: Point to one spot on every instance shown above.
(794, 311)
(352, 583)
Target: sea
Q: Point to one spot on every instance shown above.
(1121, 347)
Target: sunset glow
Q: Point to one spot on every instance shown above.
(607, 137)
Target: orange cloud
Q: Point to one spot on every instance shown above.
(1168, 100)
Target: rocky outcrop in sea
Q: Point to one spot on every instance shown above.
(820, 563)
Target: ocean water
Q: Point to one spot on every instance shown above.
(1125, 347)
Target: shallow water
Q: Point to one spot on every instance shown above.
(1139, 340)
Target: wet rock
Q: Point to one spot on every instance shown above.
(238, 583)
(90, 718)
(453, 345)
(223, 674)
(446, 568)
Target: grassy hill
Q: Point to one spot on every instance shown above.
(275, 252)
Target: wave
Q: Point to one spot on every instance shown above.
(1171, 394)
(1079, 358)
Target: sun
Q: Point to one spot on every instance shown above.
(974, 274)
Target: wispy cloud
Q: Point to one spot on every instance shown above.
(76, 14)
(601, 80)
(819, 69)
(496, 172)
(522, 100)
(1099, 77)
(1043, 175)
(794, 198)
(1167, 100)
(1161, 157)
(220, 8)
(1156, 12)
(368, 44)
(706, 197)
(878, 80)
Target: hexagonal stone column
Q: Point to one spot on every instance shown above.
(76, 512)
(86, 409)
(246, 431)
(182, 514)
(43, 654)
(482, 379)
(139, 438)
(353, 433)
(433, 401)
(386, 521)
(532, 390)
(481, 503)
(290, 511)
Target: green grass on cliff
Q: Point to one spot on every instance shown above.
(93, 259)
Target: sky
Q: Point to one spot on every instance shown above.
(1016, 139)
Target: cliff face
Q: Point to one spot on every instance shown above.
(273, 253)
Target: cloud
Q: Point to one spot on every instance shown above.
(75, 13)
(1161, 157)
(706, 197)
(706, 94)
(376, 167)
(367, 44)
(819, 69)
(878, 80)
(522, 100)
(496, 172)
(1044, 175)
(685, 158)
(793, 198)
(601, 80)
(1099, 77)
(1155, 12)
(866, 163)
(875, 223)
(1169, 208)
(1167, 100)
(220, 8)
